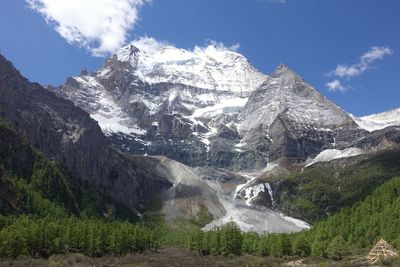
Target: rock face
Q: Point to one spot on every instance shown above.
(172, 102)
(297, 119)
(208, 108)
(67, 134)
(386, 138)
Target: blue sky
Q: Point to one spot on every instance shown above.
(312, 37)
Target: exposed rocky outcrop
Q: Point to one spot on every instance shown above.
(386, 138)
(67, 134)
(298, 120)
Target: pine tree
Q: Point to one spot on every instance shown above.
(300, 246)
(338, 247)
(319, 245)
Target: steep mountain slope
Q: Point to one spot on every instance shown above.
(209, 107)
(296, 119)
(168, 102)
(31, 184)
(68, 135)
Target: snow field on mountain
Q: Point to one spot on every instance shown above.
(331, 154)
(379, 121)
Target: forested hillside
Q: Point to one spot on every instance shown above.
(32, 184)
(45, 211)
(353, 230)
(321, 190)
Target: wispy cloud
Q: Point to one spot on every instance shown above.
(213, 46)
(366, 60)
(101, 26)
(335, 86)
(345, 71)
(151, 45)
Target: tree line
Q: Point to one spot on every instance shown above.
(42, 237)
(351, 230)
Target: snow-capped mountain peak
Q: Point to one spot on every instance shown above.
(286, 93)
(208, 106)
(207, 68)
(127, 54)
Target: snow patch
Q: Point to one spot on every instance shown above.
(225, 105)
(206, 137)
(297, 222)
(252, 219)
(252, 192)
(379, 121)
(331, 154)
(113, 124)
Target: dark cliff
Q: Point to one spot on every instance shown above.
(67, 134)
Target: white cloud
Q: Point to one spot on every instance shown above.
(335, 86)
(214, 46)
(149, 45)
(350, 71)
(100, 26)
(366, 60)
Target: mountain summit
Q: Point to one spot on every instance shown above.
(207, 68)
(209, 107)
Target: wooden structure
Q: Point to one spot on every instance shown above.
(382, 249)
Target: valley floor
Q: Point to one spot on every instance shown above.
(173, 257)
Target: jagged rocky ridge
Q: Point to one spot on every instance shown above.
(209, 108)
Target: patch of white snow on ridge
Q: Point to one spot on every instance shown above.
(225, 105)
(116, 125)
(331, 154)
(107, 113)
(250, 178)
(252, 192)
(206, 137)
(297, 222)
(379, 121)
